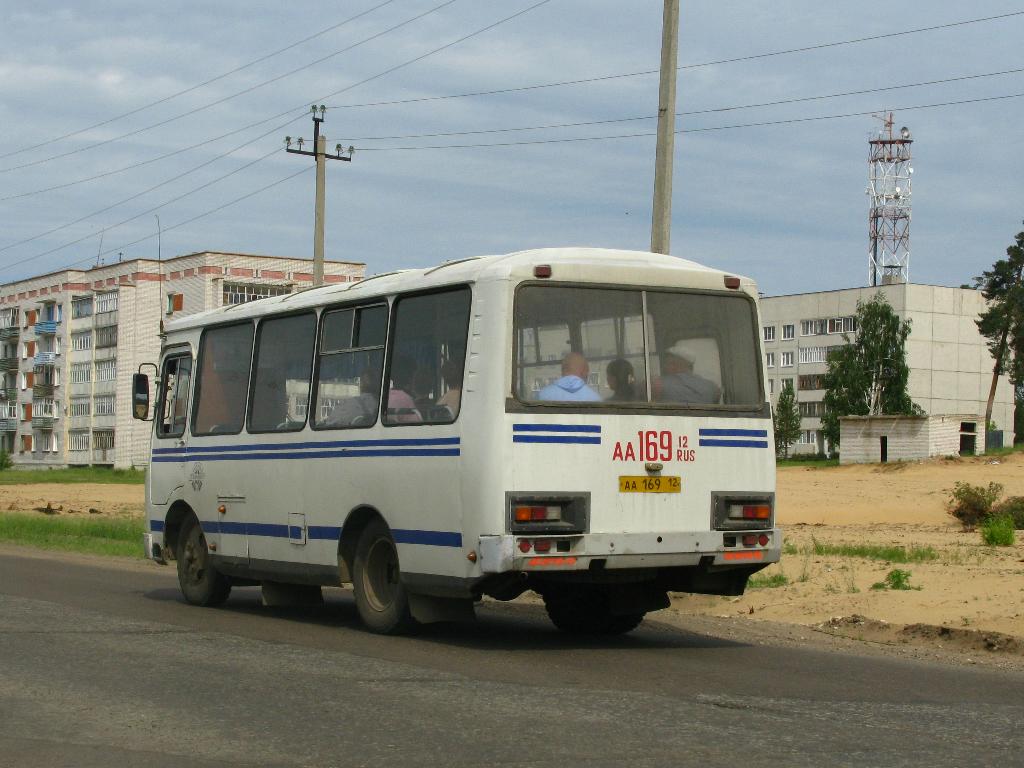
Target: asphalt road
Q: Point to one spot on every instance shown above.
(102, 664)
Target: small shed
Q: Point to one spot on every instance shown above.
(870, 439)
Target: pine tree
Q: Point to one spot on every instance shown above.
(786, 420)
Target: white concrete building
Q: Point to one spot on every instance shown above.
(950, 365)
(873, 439)
(71, 340)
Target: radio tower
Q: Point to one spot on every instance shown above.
(889, 176)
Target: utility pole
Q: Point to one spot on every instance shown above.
(661, 220)
(319, 153)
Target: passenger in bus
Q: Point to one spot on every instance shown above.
(451, 374)
(621, 381)
(679, 384)
(573, 384)
(361, 410)
(401, 406)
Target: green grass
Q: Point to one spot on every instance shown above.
(798, 462)
(91, 535)
(1005, 451)
(757, 581)
(895, 579)
(890, 554)
(73, 475)
(998, 531)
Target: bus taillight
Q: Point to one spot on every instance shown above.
(534, 514)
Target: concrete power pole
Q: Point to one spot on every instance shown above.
(661, 219)
(319, 153)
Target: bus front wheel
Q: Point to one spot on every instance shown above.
(200, 582)
(381, 598)
(588, 611)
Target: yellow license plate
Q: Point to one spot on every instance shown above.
(643, 484)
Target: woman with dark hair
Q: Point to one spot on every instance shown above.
(621, 380)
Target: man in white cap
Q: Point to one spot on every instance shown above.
(679, 384)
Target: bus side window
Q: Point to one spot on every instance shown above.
(281, 371)
(174, 396)
(349, 368)
(223, 381)
(427, 358)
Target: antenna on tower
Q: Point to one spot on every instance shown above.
(889, 187)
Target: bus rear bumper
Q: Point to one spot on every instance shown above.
(501, 554)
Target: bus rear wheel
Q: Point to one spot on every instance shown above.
(587, 611)
(200, 582)
(381, 598)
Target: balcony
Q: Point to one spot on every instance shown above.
(45, 358)
(9, 393)
(43, 422)
(8, 418)
(8, 363)
(10, 332)
(46, 327)
(42, 390)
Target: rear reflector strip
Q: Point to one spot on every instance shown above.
(753, 554)
(551, 561)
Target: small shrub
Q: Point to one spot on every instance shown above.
(896, 579)
(757, 581)
(970, 504)
(5, 459)
(997, 531)
(1013, 508)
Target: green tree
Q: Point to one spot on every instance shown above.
(868, 375)
(786, 420)
(1003, 322)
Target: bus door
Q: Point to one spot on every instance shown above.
(169, 462)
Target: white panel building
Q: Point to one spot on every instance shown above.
(950, 365)
(71, 340)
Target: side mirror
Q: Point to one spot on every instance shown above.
(140, 396)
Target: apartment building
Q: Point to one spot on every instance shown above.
(950, 365)
(71, 340)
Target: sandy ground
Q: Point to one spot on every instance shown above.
(970, 598)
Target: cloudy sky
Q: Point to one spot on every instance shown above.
(783, 203)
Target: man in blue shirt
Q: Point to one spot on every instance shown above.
(573, 385)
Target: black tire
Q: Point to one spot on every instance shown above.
(381, 598)
(587, 611)
(200, 582)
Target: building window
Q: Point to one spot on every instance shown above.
(9, 317)
(81, 341)
(842, 324)
(787, 382)
(103, 440)
(106, 370)
(812, 409)
(813, 327)
(771, 386)
(106, 337)
(106, 302)
(814, 354)
(769, 360)
(104, 405)
(788, 332)
(78, 441)
(81, 307)
(80, 373)
(240, 293)
(809, 437)
(175, 301)
(812, 381)
(786, 359)
(768, 332)
(26, 443)
(79, 407)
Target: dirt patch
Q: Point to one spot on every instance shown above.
(75, 499)
(972, 641)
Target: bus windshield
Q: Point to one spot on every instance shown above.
(596, 346)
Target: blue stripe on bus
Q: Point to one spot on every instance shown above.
(556, 428)
(580, 439)
(342, 454)
(733, 432)
(326, 532)
(156, 526)
(237, 448)
(735, 443)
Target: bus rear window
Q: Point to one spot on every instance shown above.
(597, 345)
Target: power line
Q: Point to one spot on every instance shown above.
(687, 130)
(582, 81)
(286, 112)
(203, 84)
(687, 113)
(218, 102)
(210, 212)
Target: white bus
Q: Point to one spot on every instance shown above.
(588, 424)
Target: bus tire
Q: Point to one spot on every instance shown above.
(381, 598)
(200, 582)
(588, 612)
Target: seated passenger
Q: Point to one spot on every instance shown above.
(679, 384)
(621, 381)
(451, 374)
(361, 410)
(573, 384)
(401, 406)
